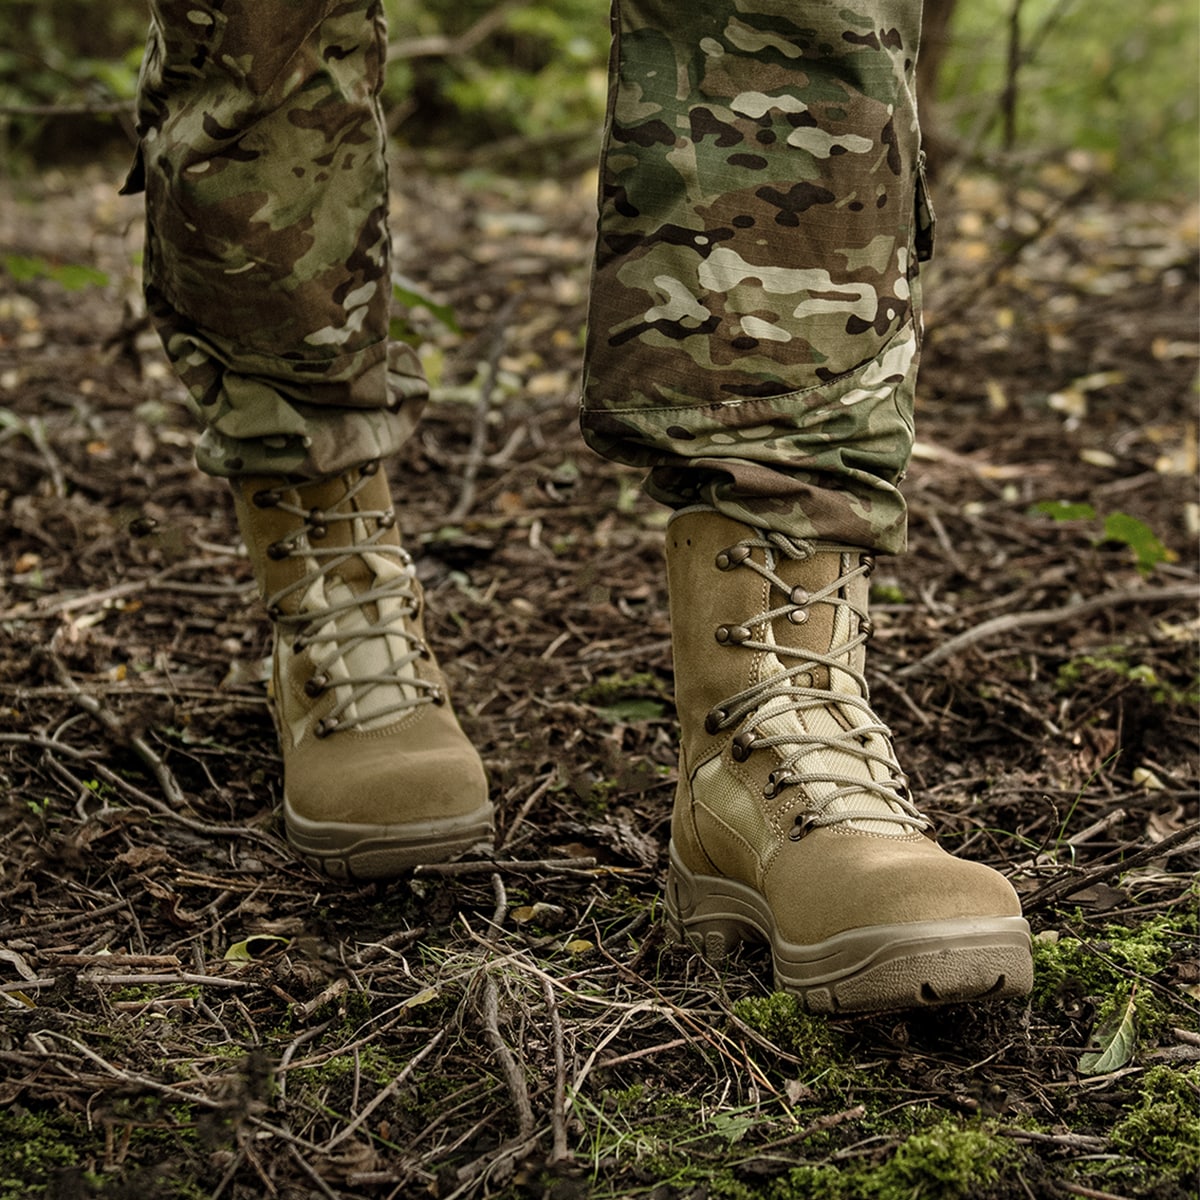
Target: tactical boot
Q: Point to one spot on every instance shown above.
(378, 775)
(793, 824)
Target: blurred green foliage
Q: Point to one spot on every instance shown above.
(68, 54)
(539, 76)
(1113, 79)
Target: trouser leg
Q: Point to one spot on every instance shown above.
(754, 322)
(267, 250)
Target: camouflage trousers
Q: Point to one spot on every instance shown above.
(754, 319)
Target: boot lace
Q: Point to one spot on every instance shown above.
(833, 796)
(334, 619)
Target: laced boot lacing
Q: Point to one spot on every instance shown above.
(333, 620)
(809, 756)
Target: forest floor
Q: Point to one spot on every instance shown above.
(187, 1011)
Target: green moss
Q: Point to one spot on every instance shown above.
(615, 687)
(1069, 966)
(945, 1162)
(887, 593)
(626, 698)
(781, 1019)
(1162, 1133)
(34, 1147)
(1115, 663)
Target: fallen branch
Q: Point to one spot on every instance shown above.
(558, 1109)
(558, 866)
(1059, 889)
(1011, 622)
(1067, 1141)
(443, 46)
(137, 743)
(483, 409)
(358, 1121)
(514, 1077)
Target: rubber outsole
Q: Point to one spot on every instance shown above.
(365, 852)
(878, 968)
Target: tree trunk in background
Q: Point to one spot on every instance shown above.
(935, 41)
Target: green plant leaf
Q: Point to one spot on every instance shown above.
(257, 946)
(411, 295)
(1139, 537)
(1114, 1041)
(1064, 510)
(75, 276)
(732, 1126)
(633, 709)
(72, 276)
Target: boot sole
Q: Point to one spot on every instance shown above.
(877, 968)
(365, 852)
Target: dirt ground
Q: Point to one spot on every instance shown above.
(186, 1011)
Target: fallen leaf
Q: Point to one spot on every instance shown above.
(256, 946)
(1113, 1041)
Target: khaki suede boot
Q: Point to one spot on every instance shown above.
(793, 824)
(378, 775)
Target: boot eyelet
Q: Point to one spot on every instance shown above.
(771, 787)
(267, 498)
(325, 727)
(743, 745)
(274, 612)
(867, 562)
(867, 628)
(714, 720)
(369, 468)
(798, 616)
(278, 551)
(732, 635)
(801, 827)
(799, 595)
(316, 685)
(437, 697)
(728, 559)
(387, 520)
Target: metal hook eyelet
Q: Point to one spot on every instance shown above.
(742, 746)
(325, 727)
(803, 825)
(726, 560)
(278, 551)
(715, 720)
(732, 635)
(316, 684)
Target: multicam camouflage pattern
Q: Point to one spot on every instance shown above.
(754, 328)
(753, 323)
(267, 269)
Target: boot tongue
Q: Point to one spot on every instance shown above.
(328, 500)
(363, 650)
(316, 585)
(829, 626)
